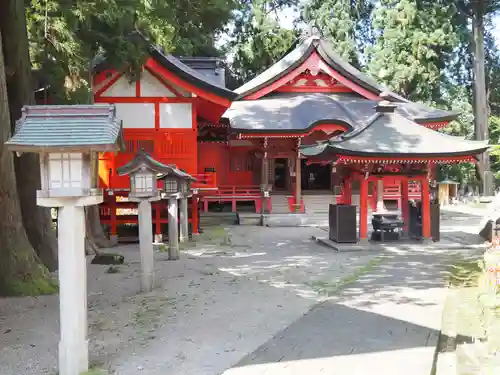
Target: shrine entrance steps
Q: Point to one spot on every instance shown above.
(318, 203)
(280, 204)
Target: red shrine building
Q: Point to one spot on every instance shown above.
(308, 131)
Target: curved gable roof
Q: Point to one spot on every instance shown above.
(176, 67)
(304, 49)
(393, 135)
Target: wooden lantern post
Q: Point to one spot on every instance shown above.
(65, 137)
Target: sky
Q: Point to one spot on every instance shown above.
(287, 17)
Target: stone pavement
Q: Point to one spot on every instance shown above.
(387, 322)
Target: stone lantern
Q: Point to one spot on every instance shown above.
(143, 170)
(67, 139)
(177, 185)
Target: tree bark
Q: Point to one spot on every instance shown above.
(21, 272)
(95, 233)
(37, 220)
(480, 100)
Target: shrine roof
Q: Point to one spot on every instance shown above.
(143, 159)
(393, 135)
(299, 54)
(59, 128)
(176, 173)
(177, 67)
(302, 50)
(298, 112)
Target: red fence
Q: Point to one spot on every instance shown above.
(233, 194)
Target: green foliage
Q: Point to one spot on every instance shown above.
(411, 46)
(344, 22)
(258, 40)
(65, 36)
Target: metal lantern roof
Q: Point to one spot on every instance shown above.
(67, 128)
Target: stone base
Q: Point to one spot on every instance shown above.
(73, 357)
(361, 245)
(158, 238)
(113, 239)
(294, 220)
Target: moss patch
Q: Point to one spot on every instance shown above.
(30, 285)
(464, 273)
(95, 371)
(331, 288)
(217, 235)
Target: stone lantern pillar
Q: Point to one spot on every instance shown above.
(143, 171)
(176, 186)
(67, 138)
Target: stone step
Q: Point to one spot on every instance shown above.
(211, 219)
(249, 219)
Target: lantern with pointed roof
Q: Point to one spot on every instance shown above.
(176, 181)
(67, 137)
(143, 171)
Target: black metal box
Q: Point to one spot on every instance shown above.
(415, 220)
(342, 223)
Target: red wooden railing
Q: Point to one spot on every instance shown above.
(235, 194)
(205, 181)
(119, 212)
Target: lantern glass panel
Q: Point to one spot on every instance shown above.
(182, 186)
(65, 170)
(144, 183)
(171, 186)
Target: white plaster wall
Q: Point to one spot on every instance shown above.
(151, 87)
(136, 115)
(176, 116)
(122, 87)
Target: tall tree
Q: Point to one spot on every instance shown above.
(346, 23)
(21, 272)
(37, 220)
(413, 41)
(66, 36)
(258, 39)
(478, 11)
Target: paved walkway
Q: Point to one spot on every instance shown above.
(385, 323)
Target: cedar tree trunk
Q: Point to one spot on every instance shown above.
(21, 272)
(37, 220)
(480, 98)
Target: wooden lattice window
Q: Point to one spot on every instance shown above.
(129, 146)
(146, 145)
(134, 146)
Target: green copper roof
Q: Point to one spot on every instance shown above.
(67, 128)
(143, 160)
(391, 134)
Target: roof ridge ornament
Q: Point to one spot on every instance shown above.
(314, 32)
(385, 106)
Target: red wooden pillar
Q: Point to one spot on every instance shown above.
(112, 207)
(363, 209)
(194, 214)
(405, 213)
(233, 201)
(348, 191)
(158, 206)
(426, 210)
(373, 201)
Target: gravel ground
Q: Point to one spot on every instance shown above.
(215, 305)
